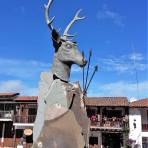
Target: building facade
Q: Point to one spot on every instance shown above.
(17, 116)
(109, 121)
(115, 122)
(138, 121)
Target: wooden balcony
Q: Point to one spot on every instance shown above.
(6, 115)
(109, 123)
(145, 127)
(24, 119)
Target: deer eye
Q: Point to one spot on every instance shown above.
(69, 46)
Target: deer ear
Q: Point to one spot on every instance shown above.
(55, 36)
(56, 39)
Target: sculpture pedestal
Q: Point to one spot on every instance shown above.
(62, 132)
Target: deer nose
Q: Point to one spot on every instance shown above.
(84, 62)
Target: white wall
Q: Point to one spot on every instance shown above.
(144, 134)
(135, 133)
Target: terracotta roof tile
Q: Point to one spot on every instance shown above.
(26, 98)
(106, 101)
(8, 94)
(140, 103)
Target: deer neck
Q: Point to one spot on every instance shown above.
(61, 70)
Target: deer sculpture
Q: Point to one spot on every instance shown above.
(66, 51)
(61, 114)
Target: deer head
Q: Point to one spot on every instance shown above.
(66, 51)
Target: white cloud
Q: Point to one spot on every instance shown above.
(22, 68)
(17, 86)
(121, 88)
(124, 63)
(106, 14)
(136, 56)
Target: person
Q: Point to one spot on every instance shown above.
(93, 118)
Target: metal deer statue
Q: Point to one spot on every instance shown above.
(66, 51)
(61, 120)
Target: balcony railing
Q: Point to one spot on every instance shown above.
(6, 114)
(145, 127)
(110, 123)
(24, 119)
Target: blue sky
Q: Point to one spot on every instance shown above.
(116, 31)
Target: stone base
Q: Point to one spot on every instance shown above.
(62, 132)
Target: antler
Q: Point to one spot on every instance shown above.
(76, 17)
(48, 21)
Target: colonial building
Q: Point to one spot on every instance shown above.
(17, 115)
(109, 121)
(138, 121)
(115, 122)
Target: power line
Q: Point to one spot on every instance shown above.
(135, 68)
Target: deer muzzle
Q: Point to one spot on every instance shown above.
(84, 62)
